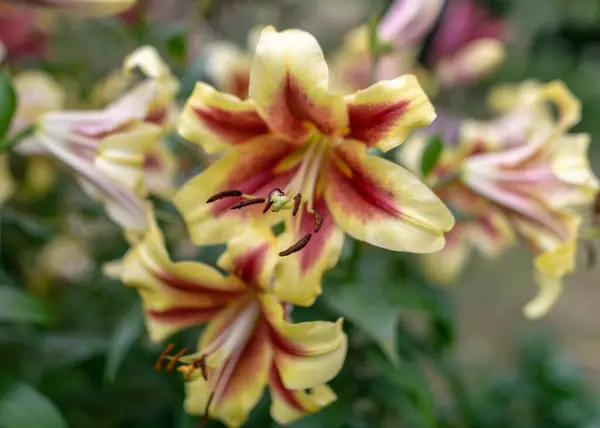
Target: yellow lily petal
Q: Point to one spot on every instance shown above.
(379, 202)
(175, 295)
(216, 120)
(121, 156)
(384, 114)
(571, 164)
(287, 406)
(289, 82)
(299, 275)
(250, 168)
(306, 354)
(160, 171)
(252, 257)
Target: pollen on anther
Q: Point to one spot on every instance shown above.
(318, 221)
(248, 203)
(224, 194)
(297, 201)
(303, 242)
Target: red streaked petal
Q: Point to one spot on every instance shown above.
(288, 405)
(252, 258)
(243, 388)
(216, 120)
(384, 114)
(289, 82)
(379, 202)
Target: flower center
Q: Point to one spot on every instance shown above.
(304, 183)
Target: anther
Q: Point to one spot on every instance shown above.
(187, 371)
(268, 206)
(201, 364)
(248, 202)
(297, 246)
(174, 360)
(163, 357)
(318, 221)
(297, 200)
(224, 194)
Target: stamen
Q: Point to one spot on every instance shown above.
(318, 221)
(163, 357)
(174, 360)
(201, 364)
(224, 194)
(268, 206)
(270, 200)
(297, 246)
(206, 417)
(248, 202)
(297, 201)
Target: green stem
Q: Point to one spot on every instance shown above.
(9, 143)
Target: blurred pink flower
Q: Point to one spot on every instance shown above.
(467, 44)
(19, 32)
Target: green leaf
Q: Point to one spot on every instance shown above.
(21, 406)
(367, 307)
(129, 329)
(8, 105)
(431, 154)
(19, 307)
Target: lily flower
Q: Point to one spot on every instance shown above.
(538, 178)
(108, 148)
(480, 227)
(81, 8)
(294, 141)
(160, 166)
(248, 342)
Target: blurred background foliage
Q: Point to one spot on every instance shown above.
(73, 351)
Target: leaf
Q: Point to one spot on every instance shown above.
(431, 155)
(129, 329)
(368, 308)
(21, 406)
(18, 306)
(68, 349)
(8, 104)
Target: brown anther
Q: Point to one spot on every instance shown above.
(201, 364)
(297, 200)
(174, 360)
(163, 357)
(247, 203)
(297, 246)
(187, 371)
(268, 206)
(318, 221)
(224, 194)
